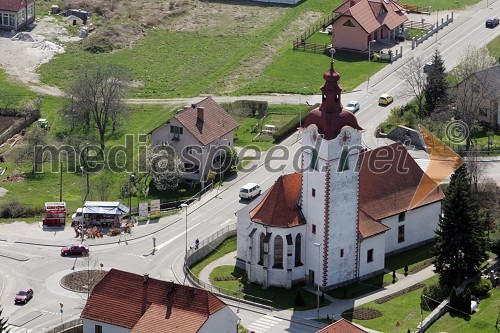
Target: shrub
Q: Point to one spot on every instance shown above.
(436, 292)
(15, 209)
(299, 300)
(481, 287)
(288, 128)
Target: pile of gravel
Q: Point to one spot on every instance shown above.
(23, 37)
(49, 46)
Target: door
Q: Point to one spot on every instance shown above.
(311, 277)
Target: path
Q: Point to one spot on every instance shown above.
(228, 259)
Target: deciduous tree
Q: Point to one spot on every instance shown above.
(414, 81)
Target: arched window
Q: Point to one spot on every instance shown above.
(298, 250)
(344, 161)
(261, 249)
(278, 252)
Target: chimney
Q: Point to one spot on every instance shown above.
(144, 293)
(200, 110)
(352, 3)
(146, 278)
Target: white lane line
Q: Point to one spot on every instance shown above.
(174, 238)
(226, 222)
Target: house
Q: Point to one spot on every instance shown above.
(361, 21)
(336, 221)
(198, 134)
(341, 326)
(81, 14)
(15, 14)
(481, 92)
(125, 302)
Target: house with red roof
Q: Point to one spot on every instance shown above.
(124, 302)
(362, 21)
(15, 14)
(334, 222)
(341, 326)
(200, 135)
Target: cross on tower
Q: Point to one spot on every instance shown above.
(332, 52)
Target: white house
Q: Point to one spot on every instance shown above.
(198, 134)
(124, 302)
(334, 222)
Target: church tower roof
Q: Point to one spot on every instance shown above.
(331, 116)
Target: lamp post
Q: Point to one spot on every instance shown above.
(318, 245)
(185, 205)
(83, 199)
(437, 24)
(131, 179)
(220, 164)
(369, 57)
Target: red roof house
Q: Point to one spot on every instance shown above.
(15, 14)
(139, 304)
(364, 20)
(341, 326)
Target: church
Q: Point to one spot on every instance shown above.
(336, 220)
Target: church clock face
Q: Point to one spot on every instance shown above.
(344, 138)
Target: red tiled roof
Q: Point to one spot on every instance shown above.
(341, 326)
(388, 180)
(121, 299)
(216, 121)
(279, 208)
(368, 226)
(13, 5)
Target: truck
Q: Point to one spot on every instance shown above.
(54, 214)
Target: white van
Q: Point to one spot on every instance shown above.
(250, 191)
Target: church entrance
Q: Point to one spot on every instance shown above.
(311, 278)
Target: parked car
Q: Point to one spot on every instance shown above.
(428, 66)
(23, 296)
(81, 249)
(492, 22)
(352, 106)
(385, 99)
(249, 191)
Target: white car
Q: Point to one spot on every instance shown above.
(249, 191)
(352, 106)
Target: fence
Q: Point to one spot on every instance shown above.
(310, 47)
(326, 21)
(417, 9)
(417, 41)
(18, 126)
(72, 326)
(418, 25)
(206, 247)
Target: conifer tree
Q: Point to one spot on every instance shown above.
(3, 323)
(460, 241)
(436, 87)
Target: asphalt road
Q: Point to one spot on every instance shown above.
(45, 267)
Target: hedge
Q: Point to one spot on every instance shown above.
(290, 127)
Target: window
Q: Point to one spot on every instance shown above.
(314, 160)
(475, 88)
(369, 255)
(177, 131)
(190, 150)
(401, 217)
(278, 252)
(98, 329)
(341, 253)
(314, 192)
(401, 233)
(344, 162)
(314, 229)
(22, 16)
(261, 249)
(298, 250)
(30, 10)
(7, 19)
(191, 168)
(348, 23)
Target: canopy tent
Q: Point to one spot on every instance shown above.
(105, 208)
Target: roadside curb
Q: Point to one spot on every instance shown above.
(12, 255)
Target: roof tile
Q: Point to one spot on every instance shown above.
(341, 326)
(13, 5)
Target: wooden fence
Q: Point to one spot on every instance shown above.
(417, 9)
(310, 47)
(418, 25)
(325, 22)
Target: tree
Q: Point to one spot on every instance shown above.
(3, 323)
(415, 81)
(460, 242)
(35, 140)
(166, 167)
(98, 97)
(436, 87)
(476, 167)
(469, 93)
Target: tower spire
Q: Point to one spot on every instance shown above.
(332, 52)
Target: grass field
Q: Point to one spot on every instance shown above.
(494, 47)
(440, 4)
(412, 258)
(227, 246)
(363, 287)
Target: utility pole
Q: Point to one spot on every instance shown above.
(60, 182)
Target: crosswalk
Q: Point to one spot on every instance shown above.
(15, 329)
(263, 324)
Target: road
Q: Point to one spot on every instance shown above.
(45, 267)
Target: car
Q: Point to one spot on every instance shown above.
(428, 66)
(249, 191)
(492, 22)
(23, 296)
(352, 106)
(82, 249)
(385, 99)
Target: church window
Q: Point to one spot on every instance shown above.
(261, 249)
(401, 217)
(344, 161)
(348, 23)
(314, 192)
(278, 252)
(369, 255)
(341, 253)
(314, 229)
(401, 233)
(298, 250)
(314, 160)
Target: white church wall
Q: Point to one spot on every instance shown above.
(377, 245)
(419, 226)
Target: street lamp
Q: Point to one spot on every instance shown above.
(437, 23)
(369, 57)
(185, 205)
(131, 179)
(83, 199)
(318, 245)
(220, 163)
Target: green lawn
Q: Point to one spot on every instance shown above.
(483, 320)
(412, 258)
(404, 310)
(358, 289)
(494, 47)
(440, 4)
(281, 298)
(227, 246)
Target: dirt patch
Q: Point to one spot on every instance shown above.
(6, 122)
(3, 191)
(366, 314)
(79, 281)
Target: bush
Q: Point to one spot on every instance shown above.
(299, 300)
(15, 209)
(481, 287)
(288, 128)
(247, 109)
(436, 292)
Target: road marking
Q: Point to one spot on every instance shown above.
(263, 324)
(162, 245)
(227, 222)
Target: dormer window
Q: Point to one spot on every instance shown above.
(177, 131)
(348, 23)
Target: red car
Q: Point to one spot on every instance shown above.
(82, 249)
(23, 296)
